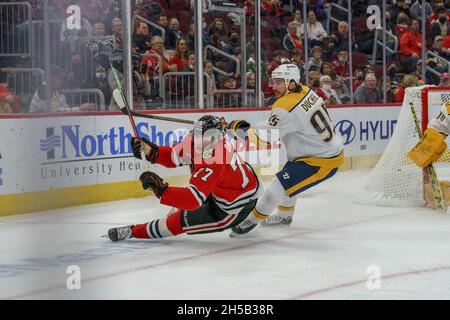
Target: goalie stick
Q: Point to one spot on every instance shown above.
(430, 173)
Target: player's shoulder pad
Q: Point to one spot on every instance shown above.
(291, 100)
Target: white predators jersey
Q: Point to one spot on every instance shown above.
(304, 126)
(442, 123)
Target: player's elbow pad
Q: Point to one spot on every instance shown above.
(429, 149)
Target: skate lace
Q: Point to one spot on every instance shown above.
(246, 224)
(124, 232)
(275, 219)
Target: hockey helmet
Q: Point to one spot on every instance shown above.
(288, 72)
(208, 130)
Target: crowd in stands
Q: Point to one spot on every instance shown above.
(163, 41)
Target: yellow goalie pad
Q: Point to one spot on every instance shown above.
(429, 149)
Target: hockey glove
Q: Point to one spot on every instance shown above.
(151, 180)
(429, 149)
(150, 149)
(239, 128)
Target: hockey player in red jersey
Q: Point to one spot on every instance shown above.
(221, 193)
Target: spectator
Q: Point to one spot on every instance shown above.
(251, 80)
(249, 7)
(101, 82)
(402, 25)
(314, 29)
(399, 7)
(163, 23)
(316, 58)
(210, 82)
(153, 62)
(441, 25)
(325, 91)
(173, 34)
(77, 75)
(180, 58)
(341, 36)
(230, 99)
(9, 102)
(359, 79)
(191, 37)
(298, 21)
(368, 92)
(445, 80)
(411, 46)
(440, 64)
(58, 102)
(116, 26)
(416, 9)
(276, 61)
(272, 8)
(297, 59)
(408, 81)
(100, 44)
(291, 41)
(186, 83)
(337, 83)
(341, 65)
(314, 80)
(391, 92)
(218, 26)
(141, 37)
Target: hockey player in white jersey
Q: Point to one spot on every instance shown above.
(432, 144)
(314, 148)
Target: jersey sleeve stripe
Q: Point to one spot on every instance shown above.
(196, 195)
(200, 194)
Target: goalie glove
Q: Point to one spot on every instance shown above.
(238, 129)
(150, 149)
(429, 149)
(151, 180)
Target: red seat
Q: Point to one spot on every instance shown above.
(178, 5)
(270, 44)
(360, 60)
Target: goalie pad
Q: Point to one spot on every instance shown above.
(429, 149)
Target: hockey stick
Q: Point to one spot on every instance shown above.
(430, 173)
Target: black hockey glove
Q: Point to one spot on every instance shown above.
(150, 149)
(151, 180)
(239, 128)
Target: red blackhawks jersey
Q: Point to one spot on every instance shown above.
(230, 181)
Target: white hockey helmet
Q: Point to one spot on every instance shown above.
(288, 72)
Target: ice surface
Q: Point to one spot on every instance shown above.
(329, 252)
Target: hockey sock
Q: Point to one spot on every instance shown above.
(273, 195)
(160, 228)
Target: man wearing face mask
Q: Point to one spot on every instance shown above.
(341, 66)
(441, 25)
(411, 46)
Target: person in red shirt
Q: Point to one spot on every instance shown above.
(181, 56)
(9, 102)
(411, 47)
(221, 193)
(341, 65)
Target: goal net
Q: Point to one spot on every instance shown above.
(396, 180)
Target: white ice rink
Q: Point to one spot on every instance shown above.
(331, 250)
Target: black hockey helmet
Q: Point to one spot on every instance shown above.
(210, 130)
